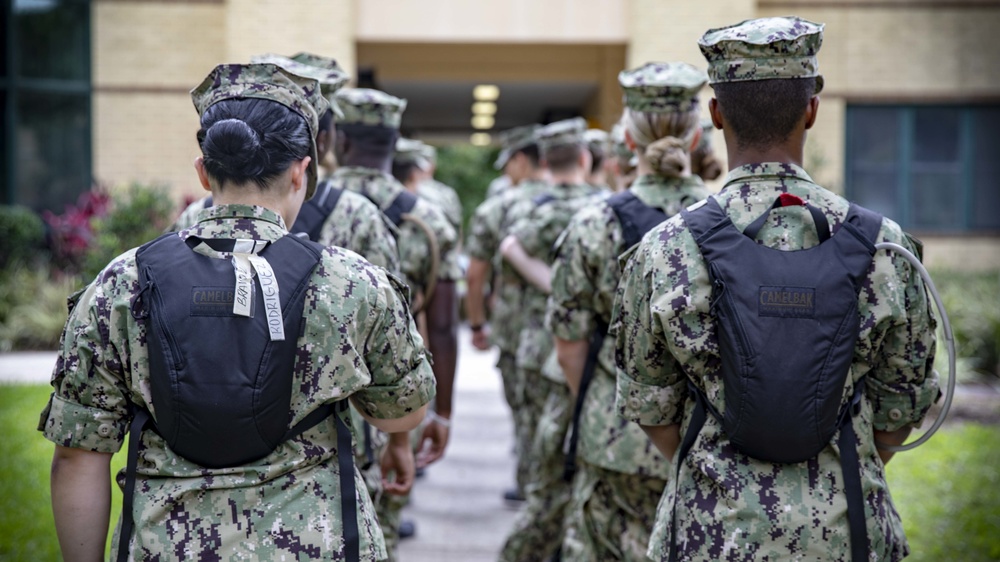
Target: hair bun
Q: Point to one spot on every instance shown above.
(668, 156)
(233, 148)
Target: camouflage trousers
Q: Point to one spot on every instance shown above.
(611, 515)
(513, 392)
(538, 529)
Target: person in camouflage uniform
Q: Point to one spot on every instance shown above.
(723, 504)
(599, 145)
(620, 475)
(536, 224)
(365, 144)
(624, 160)
(488, 227)
(704, 162)
(287, 504)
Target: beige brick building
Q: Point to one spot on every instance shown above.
(906, 82)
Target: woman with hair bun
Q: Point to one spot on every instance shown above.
(227, 351)
(618, 476)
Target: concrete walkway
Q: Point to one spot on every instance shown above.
(457, 505)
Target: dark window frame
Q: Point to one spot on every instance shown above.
(13, 85)
(902, 167)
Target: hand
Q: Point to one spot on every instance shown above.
(433, 441)
(481, 338)
(398, 461)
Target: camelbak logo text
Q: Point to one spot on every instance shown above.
(787, 302)
(212, 301)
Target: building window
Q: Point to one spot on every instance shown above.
(930, 168)
(45, 91)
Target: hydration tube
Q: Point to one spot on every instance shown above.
(949, 339)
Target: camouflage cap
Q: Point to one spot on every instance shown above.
(411, 151)
(661, 87)
(269, 82)
(364, 106)
(330, 78)
(513, 140)
(336, 79)
(618, 143)
(763, 49)
(428, 152)
(596, 137)
(562, 133)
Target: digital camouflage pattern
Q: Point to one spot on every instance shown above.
(662, 87)
(539, 527)
(365, 106)
(513, 140)
(410, 151)
(268, 82)
(358, 341)
(326, 71)
(444, 199)
(412, 243)
(561, 133)
(763, 49)
(610, 515)
(728, 505)
(584, 278)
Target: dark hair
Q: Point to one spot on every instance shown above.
(372, 140)
(402, 170)
(763, 113)
(532, 152)
(596, 157)
(325, 122)
(251, 140)
(563, 157)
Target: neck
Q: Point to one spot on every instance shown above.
(788, 152)
(575, 176)
(380, 163)
(252, 195)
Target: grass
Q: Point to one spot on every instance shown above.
(947, 491)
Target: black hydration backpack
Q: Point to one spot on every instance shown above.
(221, 382)
(314, 212)
(787, 325)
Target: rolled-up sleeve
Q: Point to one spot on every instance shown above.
(402, 379)
(901, 384)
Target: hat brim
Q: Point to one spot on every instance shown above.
(502, 159)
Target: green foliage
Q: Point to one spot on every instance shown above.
(136, 216)
(27, 531)
(468, 169)
(33, 308)
(972, 300)
(947, 492)
(22, 233)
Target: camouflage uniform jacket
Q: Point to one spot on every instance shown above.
(412, 243)
(584, 278)
(359, 341)
(488, 227)
(445, 199)
(727, 505)
(537, 226)
(355, 223)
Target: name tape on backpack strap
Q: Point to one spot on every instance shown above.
(272, 303)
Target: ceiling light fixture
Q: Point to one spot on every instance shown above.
(480, 139)
(484, 108)
(486, 92)
(482, 121)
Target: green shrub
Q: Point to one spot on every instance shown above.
(136, 216)
(972, 300)
(22, 234)
(33, 308)
(468, 169)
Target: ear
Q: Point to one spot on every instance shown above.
(199, 166)
(812, 110)
(629, 141)
(300, 173)
(716, 113)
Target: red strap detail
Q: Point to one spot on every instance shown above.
(789, 200)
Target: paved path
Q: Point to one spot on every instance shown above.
(457, 504)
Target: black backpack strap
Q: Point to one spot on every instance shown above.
(697, 421)
(593, 352)
(314, 212)
(704, 218)
(851, 467)
(348, 490)
(139, 420)
(369, 450)
(819, 219)
(207, 202)
(402, 204)
(635, 217)
(542, 199)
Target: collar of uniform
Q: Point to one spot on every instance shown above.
(219, 214)
(359, 172)
(765, 170)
